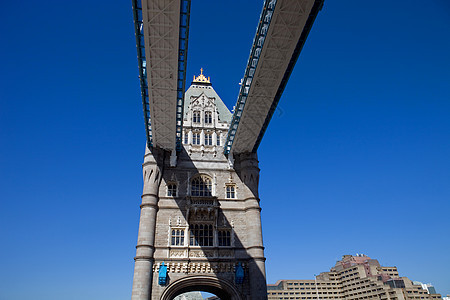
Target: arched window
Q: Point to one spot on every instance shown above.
(201, 186)
(196, 117)
(208, 117)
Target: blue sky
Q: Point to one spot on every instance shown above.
(355, 160)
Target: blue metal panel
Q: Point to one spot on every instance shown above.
(239, 274)
(142, 63)
(162, 275)
(258, 42)
(182, 65)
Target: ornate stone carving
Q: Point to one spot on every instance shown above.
(199, 267)
(201, 253)
(226, 253)
(202, 208)
(178, 253)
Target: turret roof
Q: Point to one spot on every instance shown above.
(196, 90)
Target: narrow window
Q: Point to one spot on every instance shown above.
(177, 237)
(186, 137)
(218, 140)
(208, 117)
(224, 237)
(231, 192)
(196, 138)
(196, 117)
(172, 190)
(208, 139)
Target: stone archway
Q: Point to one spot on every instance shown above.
(221, 288)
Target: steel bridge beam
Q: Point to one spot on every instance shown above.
(281, 33)
(162, 31)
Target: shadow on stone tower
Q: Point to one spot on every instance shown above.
(200, 224)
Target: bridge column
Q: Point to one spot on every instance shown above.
(249, 173)
(143, 266)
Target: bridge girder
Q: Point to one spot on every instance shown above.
(162, 29)
(282, 30)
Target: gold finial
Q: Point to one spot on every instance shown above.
(201, 78)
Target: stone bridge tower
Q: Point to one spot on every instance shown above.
(200, 224)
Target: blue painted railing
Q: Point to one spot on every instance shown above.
(182, 65)
(142, 63)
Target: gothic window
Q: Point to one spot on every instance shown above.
(231, 191)
(208, 117)
(196, 117)
(208, 139)
(177, 238)
(172, 190)
(201, 186)
(218, 139)
(224, 237)
(196, 138)
(186, 137)
(201, 235)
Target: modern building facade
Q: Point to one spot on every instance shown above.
(200, 225)
(353, 278)
(426, 286)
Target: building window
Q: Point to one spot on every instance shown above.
(218, 140)
(201, 235)
(196, 138)
(186, 137)
(177, 237)
(196, 117)
(208, 117)
(208, 139)
(172, 190)
(224, 237)
(231, 192)
(201, 186)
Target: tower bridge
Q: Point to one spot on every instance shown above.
(200, 223)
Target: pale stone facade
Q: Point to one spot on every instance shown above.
(353, 278)
(201, 218)
(189, 296)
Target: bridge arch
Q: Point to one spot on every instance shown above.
(221, 288)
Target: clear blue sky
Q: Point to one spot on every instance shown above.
(355, 160)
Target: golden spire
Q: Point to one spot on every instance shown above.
(201, 78)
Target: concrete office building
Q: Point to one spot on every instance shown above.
(353, 278)
(426, 286)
